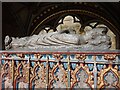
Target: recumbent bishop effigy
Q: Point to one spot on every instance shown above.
(94, 39)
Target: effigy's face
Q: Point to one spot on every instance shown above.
(72, 31)
(94, 33)
(90, 35)
(64, 38)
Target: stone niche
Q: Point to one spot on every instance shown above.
(68, 36)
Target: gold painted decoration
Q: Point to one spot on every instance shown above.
(4, 69)
(21, 75)
(38, 76)
(59, 75)
(110, 56)
(38, 56)
(88, 79)
(21, 55)
(109, 77)
(81, 56)
(7, 70)
(6, 74)
(58, 56)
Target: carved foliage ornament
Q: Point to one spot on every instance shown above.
(110, 56)
(80, 56)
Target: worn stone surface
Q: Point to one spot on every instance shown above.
(62, 40)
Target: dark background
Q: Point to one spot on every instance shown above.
(19, 19)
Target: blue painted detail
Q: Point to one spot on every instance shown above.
(33, 85)
(65, 65)
(72, 56)
(32, 63)
(16, 62)
(3, 56)
(44, 55)
(99, 57)
(44, 63)
(64, 56)
(3, 62)
(99, 66)
(89, 56)
(17, 85)
(3, 85)
(119, 67)
(50, 56)
(73, 65)
(90, 67)
(57, 69)
(119, 57)
(51, 64)
(32, 56)
(21, 70)
(26, 55)
(37, 69)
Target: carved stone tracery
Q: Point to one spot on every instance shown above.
(111, 73)
(81, 75)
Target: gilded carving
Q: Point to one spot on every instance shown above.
(80, 56)
(108, 77)
(110, 56)
(21, 55)
(21, 75)
(38, 56)
(86, 73)
(38, 76)
(6, 74)
(59, 75)
(57, 56)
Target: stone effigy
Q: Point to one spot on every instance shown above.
(96, 38)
